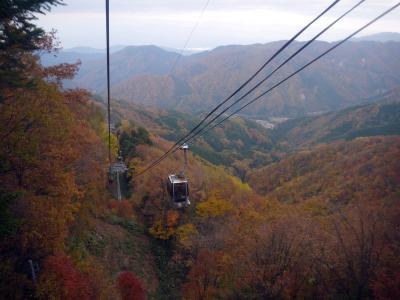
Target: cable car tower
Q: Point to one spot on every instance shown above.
(177, 184)
(117, 169)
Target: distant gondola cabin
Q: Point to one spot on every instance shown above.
(178, 190)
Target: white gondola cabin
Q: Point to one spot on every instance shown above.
(178, 190)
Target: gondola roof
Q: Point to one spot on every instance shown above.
(177, 179)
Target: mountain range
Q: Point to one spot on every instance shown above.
(149, 75)
(382, 37)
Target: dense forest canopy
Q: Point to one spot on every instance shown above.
(307, 210)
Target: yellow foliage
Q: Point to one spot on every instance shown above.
(164, 229)
(185, 233)
(316, 207)
(125, 125)
(242, 186)
(213, 207)
(227, 259)
(161, 232)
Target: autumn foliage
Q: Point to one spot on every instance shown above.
(130, 287)
(318, 224)
(61, 280)
(120, 208)
(52, 164)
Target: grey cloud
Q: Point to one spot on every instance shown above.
(168, 22)
(192, 5)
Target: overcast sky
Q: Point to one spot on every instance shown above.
(169, 22)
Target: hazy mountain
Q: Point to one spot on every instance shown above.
(116, 48)
(126, 63)
(348, 76)
(381, 37)
(72, 55)
(82, 53)
(113, 49)
(85, 50)
(343, 78)
(69, 57)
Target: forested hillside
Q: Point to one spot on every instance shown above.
(337, 172)
(53, 167)
(315, 225)
(241, 144)
(379, 118)
(52, 179)
(349, 75)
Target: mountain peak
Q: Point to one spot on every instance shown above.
(381, 37)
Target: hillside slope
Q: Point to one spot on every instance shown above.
(239, 144)
(332, 204)
(380, 118)
(342, 172)
(351, 73)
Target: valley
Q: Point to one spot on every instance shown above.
(252, 145)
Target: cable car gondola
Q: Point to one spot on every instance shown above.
(178, 190)
(178, 186)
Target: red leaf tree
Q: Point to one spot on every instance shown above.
(130, 287)
(61, 280)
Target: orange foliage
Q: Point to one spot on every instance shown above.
(52, 155)
(339, 173)
(61, 280)
(205, 277)
(172, 218)
(122, 208)
(60, 72)
(164, 228)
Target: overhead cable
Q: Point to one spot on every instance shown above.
(278, 68)
(287, 43)
(301, 69)
(189, 37)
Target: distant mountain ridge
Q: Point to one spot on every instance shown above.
(116, 48)
(84, 54)
(113, 49)
(381, 37)
(348, 76)
(126, 63)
